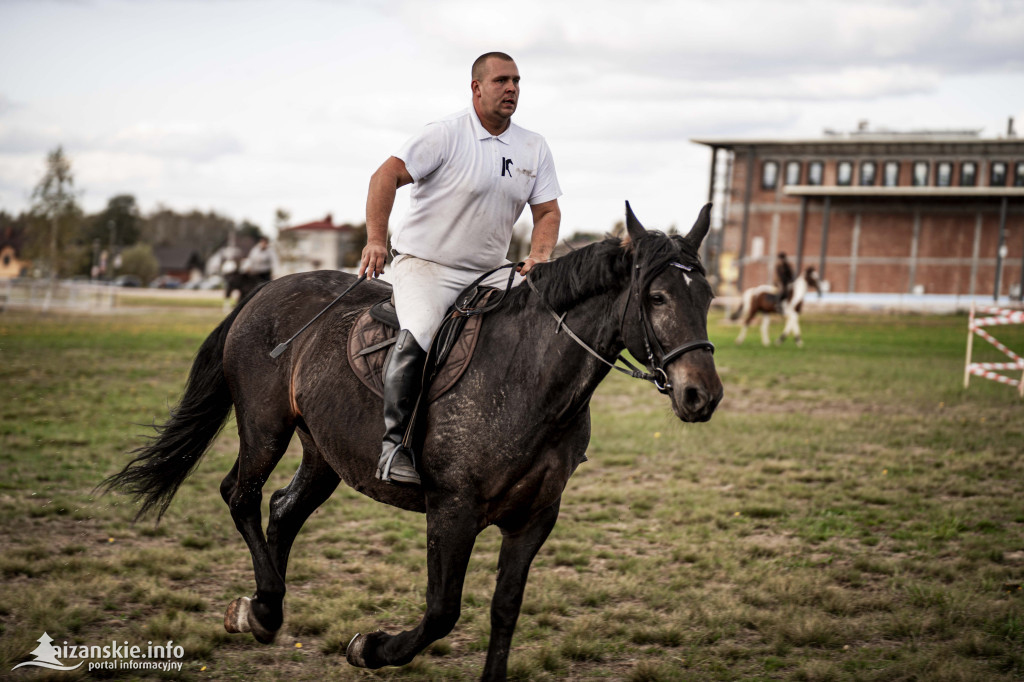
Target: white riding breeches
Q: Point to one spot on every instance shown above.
(424, 291)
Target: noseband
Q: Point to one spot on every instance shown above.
(657, 359)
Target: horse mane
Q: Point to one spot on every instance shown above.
(599, 267)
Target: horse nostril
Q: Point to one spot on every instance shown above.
(692, 396)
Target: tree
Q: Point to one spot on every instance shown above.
(251, 231)
(119, 224)
(281, 219)
(139, 260)
(56, 214)
(204, 232)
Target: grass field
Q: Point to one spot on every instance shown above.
(850, 513)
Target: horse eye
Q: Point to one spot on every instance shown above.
(657, 299)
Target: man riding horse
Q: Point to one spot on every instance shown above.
(472, 175)
(783, 279)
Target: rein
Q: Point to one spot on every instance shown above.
(656, 365)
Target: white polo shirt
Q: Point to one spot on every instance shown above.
(469, 188)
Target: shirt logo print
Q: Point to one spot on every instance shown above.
(505, 163)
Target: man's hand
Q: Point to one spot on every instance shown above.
(529, 263)
(546, 219)
(374, 258)
(380, 199)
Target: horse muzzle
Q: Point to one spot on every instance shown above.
(696, 391)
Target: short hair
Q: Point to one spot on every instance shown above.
(478, 66)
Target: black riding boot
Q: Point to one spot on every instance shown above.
(402, 381)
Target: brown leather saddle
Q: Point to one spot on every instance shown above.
(373, 334)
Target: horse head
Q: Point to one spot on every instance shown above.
(811, 277)
(665, 317)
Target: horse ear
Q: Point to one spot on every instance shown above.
(633, 227)
(700, 227)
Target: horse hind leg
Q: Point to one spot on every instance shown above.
(765, 339)
(744, 326)
(742, 335)
(451, 535)
(262, 614)
(313, 483)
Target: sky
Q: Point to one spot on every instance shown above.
(244, 107)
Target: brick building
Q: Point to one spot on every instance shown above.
(876, 212)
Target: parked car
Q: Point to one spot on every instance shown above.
(207, 283)
(127, 281)
(165, 282)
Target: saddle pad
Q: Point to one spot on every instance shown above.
(368, 347)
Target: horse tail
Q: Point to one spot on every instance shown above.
(162, 465)
(744, 303)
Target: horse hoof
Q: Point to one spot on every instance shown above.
(236, 618)
(354, 651)
(362, 650)
(240, 618)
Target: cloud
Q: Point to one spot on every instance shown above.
(7, 104)
(745, 39)
(175, 141)
(32, 139)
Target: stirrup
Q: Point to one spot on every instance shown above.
(404, 473)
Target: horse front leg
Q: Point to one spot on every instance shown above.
(765, 321)
(794, 326)
(451, 534)
(518, 548)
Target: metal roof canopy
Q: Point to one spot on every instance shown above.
(881, 144)
(927, 192)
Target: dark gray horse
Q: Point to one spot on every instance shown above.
(498, 449)
(242, 282)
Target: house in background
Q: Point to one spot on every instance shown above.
(320, 245)
(875, 211)
(183, 263)
(11, 266)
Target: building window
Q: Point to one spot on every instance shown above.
(921, 172)
(892, 174)
(968, 174)
(844, 173)
(944, 174)
(868, 169)
(1018, 175)
(815, 172)
(997, 174)
(769, 174)
(793, 169)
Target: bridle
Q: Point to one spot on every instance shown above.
(657, 359)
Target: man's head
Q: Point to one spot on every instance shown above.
(495, 88)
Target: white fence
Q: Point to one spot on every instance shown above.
(40, 294)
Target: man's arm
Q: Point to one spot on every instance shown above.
(546, 219)
(380, 199)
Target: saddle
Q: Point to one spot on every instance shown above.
(375, 331)
(773, 302)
